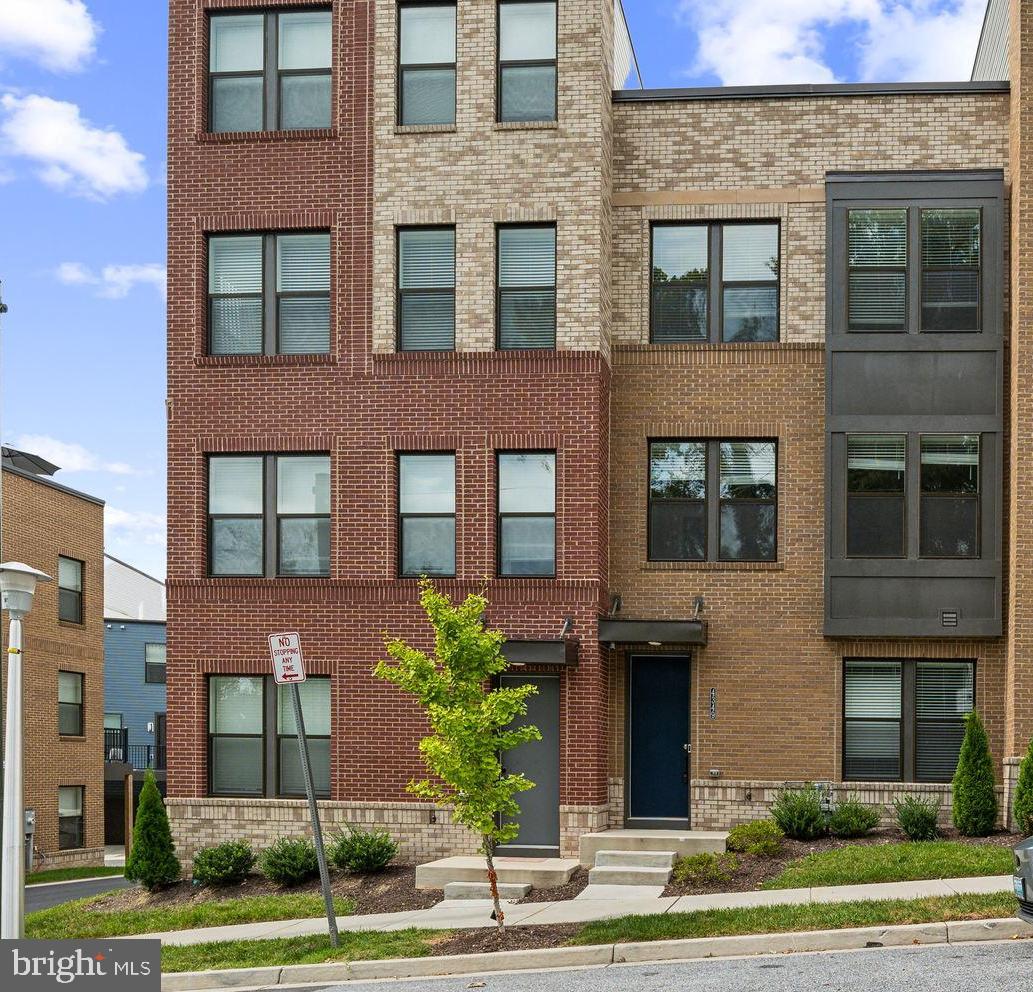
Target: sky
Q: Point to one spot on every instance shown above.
(82, 199)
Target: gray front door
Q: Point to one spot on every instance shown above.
(540, 761)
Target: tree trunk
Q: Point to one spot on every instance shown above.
(493, 883)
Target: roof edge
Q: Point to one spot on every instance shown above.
(44, 480)
(796, 90)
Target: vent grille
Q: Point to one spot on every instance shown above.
(948, 618)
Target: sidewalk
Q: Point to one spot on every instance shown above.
(474, 913)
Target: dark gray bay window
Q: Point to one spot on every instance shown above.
(426, 288)
(714, 282)
(252, 738)
(269, 71)
(427, 63)
(876, 470)
(527, 513)
(269, 515)
(904, 720)
(269, 294)
(949, 524)
(712, 500)
(526, 276)
(527, 60)
(427, 514)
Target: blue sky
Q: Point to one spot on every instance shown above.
(82, 194)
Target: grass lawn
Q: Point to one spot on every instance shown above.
(85, 918)
(70, 874)
(856, 865)
(296, 950)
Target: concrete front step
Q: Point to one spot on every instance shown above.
(681, 842)
(629, 876)
(540, 873)
(482, 890)
(635, 859)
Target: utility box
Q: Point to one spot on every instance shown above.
(30, 837)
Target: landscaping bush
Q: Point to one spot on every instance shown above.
(975, 799)
(705, 869)
(853, 819)
(917, 817)
(798, 813)
(1023, 807)
(360, 850)
(290, 861)
(762, 838)
(224, 864)
(152, 859)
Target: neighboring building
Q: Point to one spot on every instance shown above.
(134, 686)
(60, 531)
(710, 383)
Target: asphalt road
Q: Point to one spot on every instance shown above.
(45, 896)
(1002, 966)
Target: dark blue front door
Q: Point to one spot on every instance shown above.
(658, 739)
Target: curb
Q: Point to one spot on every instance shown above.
(71, 881)
(964, 931)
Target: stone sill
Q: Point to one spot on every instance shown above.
(712, 566)
(527, 125)
(260, 137)
(216, 361)
(425, 129)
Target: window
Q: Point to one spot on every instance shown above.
(154, 663)
(950, 496)
(904, 720)
(269, 72)
(527, 61)
(69, 589)
(714, 282)
(269, 515)
(70, 817)
(251, 731)
(427, 514)
(426, 288)
(269, 294)
(69, 704)
(527, 513)
(737, 478)
(526, 274)
(876, 466)
(112, 721)
(880, 265)
(427, 63)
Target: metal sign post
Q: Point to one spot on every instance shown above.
(289, 669)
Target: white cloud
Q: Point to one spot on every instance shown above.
(135, 527)
(113, 282)
(757, 42)
(59, 34)
(71, 154)
(70, 457)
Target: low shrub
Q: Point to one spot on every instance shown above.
(852, 818)
(224, 864)
(762, 838)
(917, 817)
(357, 850)
(798, 813)
(290, 861)
(705, 869)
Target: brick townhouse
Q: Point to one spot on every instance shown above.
(722, 394)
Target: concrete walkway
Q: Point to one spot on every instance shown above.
(474, 913)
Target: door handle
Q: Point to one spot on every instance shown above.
(688, 752)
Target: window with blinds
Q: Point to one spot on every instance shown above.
(877, 253)
(426, 288)
(315, 711)
(944, 695)
(527, 513)
(872, 703)
(269, 294)
(876, 469)
(526, 76)
(426, 63)
(749, 282)
(747, 500)
(951, 270)
(526, 277)
(427, 514)
(949, 526)
(678, 500)
(681, 270)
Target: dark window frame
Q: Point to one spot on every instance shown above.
(149, 665)
(715, 281)
(269, 295)
(908, 713)
(80, 707)
(271, 74)
(499, 515)
(499, 289)
(712, 500)
(443, 291)
(978, 269)
(211, 737)
(977, 497)
(878, 494)
(401, 517)
(526, 63)
(280, 792)
(80, 830)
(270, 517)
(80, 594)
(400, 68)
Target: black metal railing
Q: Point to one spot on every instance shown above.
(147, 756)
(116, 743)
(140, 756)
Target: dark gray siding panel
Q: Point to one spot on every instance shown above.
(992, 54)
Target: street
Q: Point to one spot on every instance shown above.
(44, 896)
(1004, 966)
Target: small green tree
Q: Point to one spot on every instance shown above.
(975, 800)
(152, 860)
(471, 723)
(1023, 806)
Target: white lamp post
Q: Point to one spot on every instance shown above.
(17, 587)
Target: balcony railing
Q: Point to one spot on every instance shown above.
(140, 756)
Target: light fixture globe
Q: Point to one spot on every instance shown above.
(18, 586)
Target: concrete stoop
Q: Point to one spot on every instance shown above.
(681, 843)
(482, 890)
(539, 873)
(632, 868)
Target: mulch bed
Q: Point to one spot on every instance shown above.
(574, 887)
(513, 939)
